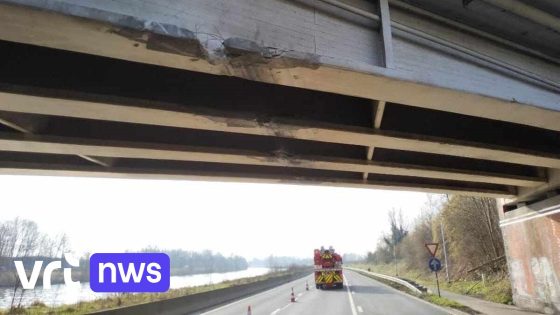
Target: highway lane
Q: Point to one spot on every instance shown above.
(361, 296)
(373, 297)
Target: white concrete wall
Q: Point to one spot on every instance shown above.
(338, 39)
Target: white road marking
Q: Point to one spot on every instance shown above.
(360, 310)
(352, 306)
(445, 311)
(280, 309)
(353, 292)
(245, 299)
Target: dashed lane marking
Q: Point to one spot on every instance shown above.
(280, 309)
(250, 297)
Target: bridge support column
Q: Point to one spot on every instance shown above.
(532, 246)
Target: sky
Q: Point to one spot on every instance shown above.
(251, 220)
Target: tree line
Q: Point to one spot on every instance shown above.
(22, 240)
(470, 226)
(184, 262)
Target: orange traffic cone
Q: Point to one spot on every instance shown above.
(293, 296)
(249, 310)
(306, 286)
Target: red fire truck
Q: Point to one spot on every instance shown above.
(328, 269)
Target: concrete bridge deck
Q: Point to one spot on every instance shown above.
(427, 104)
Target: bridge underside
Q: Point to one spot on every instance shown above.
(440, 96)
(78, 114)
(103, 96)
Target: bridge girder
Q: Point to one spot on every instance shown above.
(420, 67)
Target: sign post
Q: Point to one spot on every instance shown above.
(434, 264)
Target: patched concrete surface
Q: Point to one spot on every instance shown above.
(533, 255)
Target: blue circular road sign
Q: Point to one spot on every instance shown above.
(434, 264)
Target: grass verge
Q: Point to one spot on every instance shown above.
(494, 289)
(441, 301)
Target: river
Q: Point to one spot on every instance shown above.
(62, 294)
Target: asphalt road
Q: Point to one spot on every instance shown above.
(361, 295)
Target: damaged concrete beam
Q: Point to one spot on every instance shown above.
(182, 117)
(108, 150)
(30, 125)
(100, 31)
(19, 168)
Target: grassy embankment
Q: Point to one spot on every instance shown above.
(494, 289)
(132, 299)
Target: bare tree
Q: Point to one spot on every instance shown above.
(398, 232)
(21, 238)
(398, 229)
(472, 228)
(472, 233)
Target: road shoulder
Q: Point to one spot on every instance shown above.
(397, 291)
(485, 307)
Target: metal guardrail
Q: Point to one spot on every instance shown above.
(393, 279)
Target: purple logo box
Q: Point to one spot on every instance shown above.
(129, 272)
